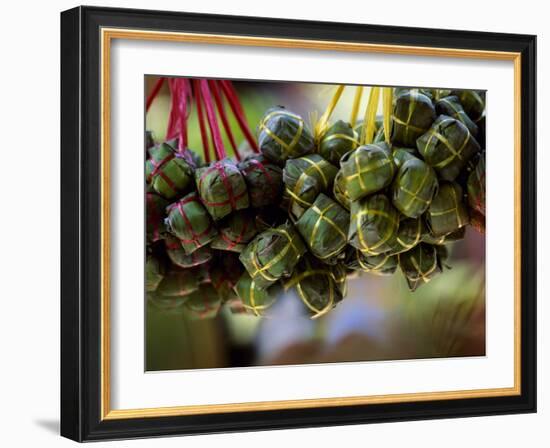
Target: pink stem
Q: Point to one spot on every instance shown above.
(202, 125)
(236, 107)
(154, 93)
(221, 110)
(212, 121)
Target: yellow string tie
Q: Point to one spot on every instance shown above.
(356, 105)
(367, 132)
(387, 105)
(322, 125)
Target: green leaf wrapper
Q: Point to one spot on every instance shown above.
(476, 187)
(407, 90)
(235, 231)
(374, 224)
(317, 286)
(382, 264)
(269, 217)
(221, 188)
(154, 273)
(178, 256)
(440, 93)
(413, 114)
(256, 300)
(473, 102)
(477, 221)
(264, 180)
(414, 187)
(304, 179)
(324, 227)
(155, 212)
(401, 155)
(420, 265)
(204, 303)
(203, 273)
(168, 173)
(410, 232)
(178, 283)
(367, 170)
(273, 254)
(225, 272)
(450, 106)
(283, 135)
(447, 146)
(447, 211)
(444, 239)
(190, 222)
(339, 139)
(149, 140)
(340, 275)
(340, 191)
(166, 305)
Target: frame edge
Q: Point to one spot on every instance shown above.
(71, 381)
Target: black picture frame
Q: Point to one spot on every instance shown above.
(81, 224)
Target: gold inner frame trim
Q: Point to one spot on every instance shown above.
(107, 35)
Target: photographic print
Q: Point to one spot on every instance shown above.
(253, 207)
(294, 223)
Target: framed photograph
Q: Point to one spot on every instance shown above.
(276, 224)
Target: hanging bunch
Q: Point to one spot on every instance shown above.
(311, 205)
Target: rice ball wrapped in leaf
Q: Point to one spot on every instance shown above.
(190, 222)
(401, 155)
(283, 135)
(367, 169)
(273, 254)
(468, 168)
(382, 264)
(340, 192)
(235, 231)
(420, 265)
(447, 212)
(447, 146)
(473, 102)
(256, 300)
(225, 273)
(155, 212)
(413, 114)
(221, 188)
(166, 305)
(410, 232)
(316, 286)
(457, 235)
(374, 224)
(477, 221)
(450, 106)
(204, 303)
(178, 283)
(178, 256)
(339, 273)
(269, 217)
(414, 187)
(263, 179)
(324, 227)
(154, 273)
(192, 157)
(203, 273)
(304, 179)
(476, 187)
(149, 140)
(168, 172)
(430, 93)
(339, 139)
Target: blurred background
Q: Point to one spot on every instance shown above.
(380, 319)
